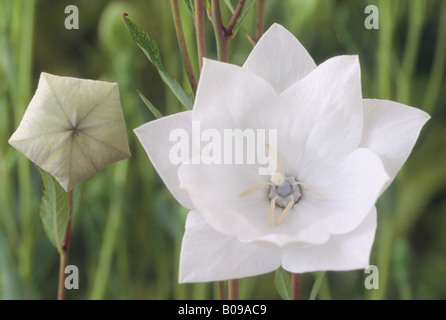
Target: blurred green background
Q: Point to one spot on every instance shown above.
(128, 229)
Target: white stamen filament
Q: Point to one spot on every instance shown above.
(284, 213)
(311, 190)
(271, 211)
(253, 189)
(278, 180)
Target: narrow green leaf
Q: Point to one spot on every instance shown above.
(317, 284)
(282, 280)
(147, 45)
(242, 17)
(190, 6)
(208, 6)
(177, 90)
(54, 210)
(149, 105)
(10, 284)
(151, 50)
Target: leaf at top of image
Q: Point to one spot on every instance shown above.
(151, 50)
(147, 44)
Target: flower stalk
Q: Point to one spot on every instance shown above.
(199, 18)
(233, 291)
(234, 18)
(295, 285)
(219, 30)
(183, 46)
(220, 290)
(260, 19)
(65, 252)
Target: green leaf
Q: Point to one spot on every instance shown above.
(190, 6)
(317, 285)
(54, 210)
(151, 50)
(147, 45)
(243, 14)
(10, 284)
(149, 105)
(208, 6)
(282, 280)
(177, 90)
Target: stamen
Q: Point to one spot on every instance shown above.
(311, 190)
(271, 211)
(275, 157)
(285, 212)
(253, 189)
(277, 178)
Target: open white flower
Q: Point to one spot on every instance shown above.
(336, 154)
(72, 128)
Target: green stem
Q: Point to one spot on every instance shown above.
(199, 17)
(295, 285)
(417, 10)
(183, 47)
(385, 49)
(25, 12)
(233, 289)
(64, 253)
(436, 77)
(220, 290)
(111, 229)
(234, 18)
(219, 30)
(260, 19)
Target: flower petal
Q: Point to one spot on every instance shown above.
(342, 252)
(154, 136)
(350, 190)
(227, 95)
(215, 189)
(279, 58)
(207, 255)
(391, 130)
(322, 113)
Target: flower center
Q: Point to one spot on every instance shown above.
(284, 190)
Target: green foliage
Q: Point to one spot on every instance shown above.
(242, 17)
(151, 50)
(317, 284)
(282, 280)
(149, 105)
(190, 6)
(54, 210)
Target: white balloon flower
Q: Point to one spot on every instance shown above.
(72, 128)
(336, 154)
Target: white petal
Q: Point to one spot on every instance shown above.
(279, 58)
(342, 252)
(72, 128)
(350, 189)
(207, 255)
(321, 115)
(154, 136)
(227, 95)
(391, 130)
(215, 189)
